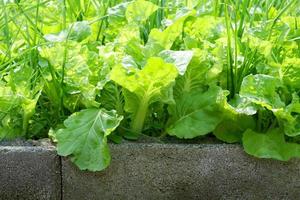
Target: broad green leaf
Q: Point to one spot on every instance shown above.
(270, 145)
(139, 11)
(200, 29)
(112, 98)
(196, 75)
(78, 31)
(81, 74)
(8, 99)
(291, 72)
(144, 87)
(163, 40)
(231, 130)
(262, 90)
(264, 47)
(181, 59)
(84, 138)
(243, 105)
(195, 113)
(289, 117)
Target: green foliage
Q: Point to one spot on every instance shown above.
(194, 113)
(83, 72)
(85, 138)
(144, 87)
(270, 145)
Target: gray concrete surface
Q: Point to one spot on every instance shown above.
(178, 171)
(148, 171)
(29, 173)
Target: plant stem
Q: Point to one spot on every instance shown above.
(139, 118)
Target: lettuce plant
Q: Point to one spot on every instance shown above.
(87, 72)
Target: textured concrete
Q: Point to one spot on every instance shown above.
(29, 173)
(178, 171)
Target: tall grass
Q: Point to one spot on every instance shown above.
(238, 15)
(23, 25)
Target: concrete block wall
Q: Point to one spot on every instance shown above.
(149, 171)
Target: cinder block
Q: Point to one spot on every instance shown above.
(181, 171)
(29, 173)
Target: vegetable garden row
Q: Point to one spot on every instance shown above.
(85, 72)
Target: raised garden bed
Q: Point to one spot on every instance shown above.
(89, 73)
(148, 171)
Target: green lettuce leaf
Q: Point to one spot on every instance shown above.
(262, 90)
(163, 40)
(181, 59)
(143, 87)
(289, 117)
(196, 113)
(270, 145)
(77, 31)
(84, 138)
(18, 98)
(231, 130)
(196, 75)
(139, 11)
(291, 72)
(81, 74)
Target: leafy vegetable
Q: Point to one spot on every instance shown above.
(85, 72)
(195, 114)
(270, 145)
(85, 138)
(144, 87)
(140, 10)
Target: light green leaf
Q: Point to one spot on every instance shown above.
(81, 73)
(196, 74)
(84, 138)
(289, 117)
(144, 87)
(181, 59)
(291, 72)
(270, 145)
(139, 11)
(231, 130)
(8, 99)
(205, 28)
(163, 40)
(196, 113)
(262, 90)
(77, 31)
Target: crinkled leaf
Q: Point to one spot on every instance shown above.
(144, 87)
(8, 99)
(206, 28)
(84, 138)
(147, 83)
(163, 40)
(270, 145)
(81, 74)
(139, 11)
(196, 74)
(291, 72)
(181, 59)
(262, 90)
(289, 117)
